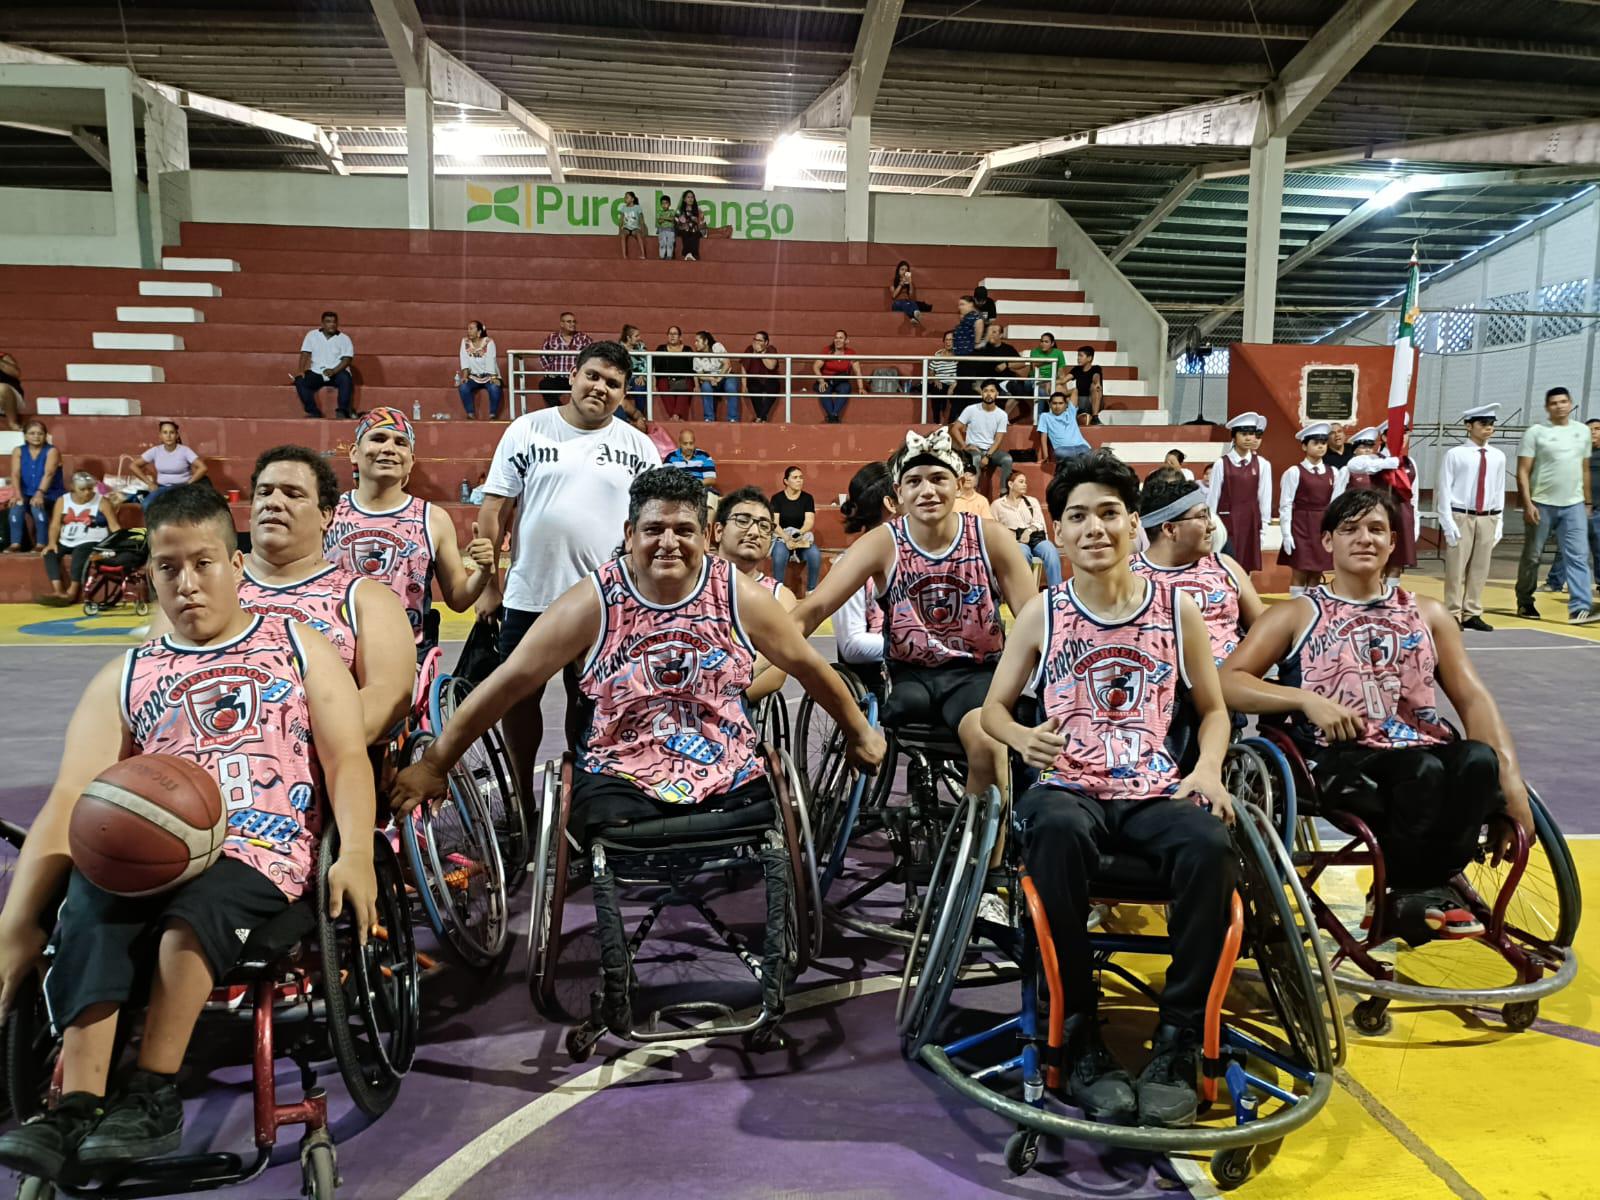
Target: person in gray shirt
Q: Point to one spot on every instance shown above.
(1553, 489)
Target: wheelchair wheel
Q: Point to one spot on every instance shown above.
(370, 991)
(551, 863)
(457, 869)
(1247, 775)
(772, 722)
(1278, 935)
(31, 1050)
(950, 916)
(817, 738)
(789, 791)
(1543, 911)
(490, 765)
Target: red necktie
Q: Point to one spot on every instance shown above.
(1483, 478)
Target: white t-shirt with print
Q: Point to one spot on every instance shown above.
(572, 485)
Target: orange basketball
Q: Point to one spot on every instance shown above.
(147, 824)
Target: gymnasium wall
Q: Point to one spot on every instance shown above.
(56, 227)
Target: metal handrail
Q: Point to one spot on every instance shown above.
(525, 368)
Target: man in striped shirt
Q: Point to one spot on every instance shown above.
(560, 359)
(695, 461)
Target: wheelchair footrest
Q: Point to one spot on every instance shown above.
(723, 1022)
(172, 1175)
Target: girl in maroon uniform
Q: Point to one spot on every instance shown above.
(1307, 489)
(1240, 490)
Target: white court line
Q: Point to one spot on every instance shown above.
(452, 1174)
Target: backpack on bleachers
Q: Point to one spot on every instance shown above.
(885, 381)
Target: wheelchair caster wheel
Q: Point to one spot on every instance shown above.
(765, 1039)
(1371, 1017)
(1022, 1151)
(29, 1188)
(90, 609)
(1520, 1015)
(141, 608)
(580, 1044)
(1232, 1167)
(318, 1171)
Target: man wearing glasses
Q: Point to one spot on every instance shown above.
(742, 534)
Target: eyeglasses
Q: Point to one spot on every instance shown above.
(763, 525)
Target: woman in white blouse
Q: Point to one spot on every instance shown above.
(714, 372)
(478, 370)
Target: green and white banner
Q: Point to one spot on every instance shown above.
(512, 206)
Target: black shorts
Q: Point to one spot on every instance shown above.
(514, 626)
(935, 695)
(104, 948)
(601, 800)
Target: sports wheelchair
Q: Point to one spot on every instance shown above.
(1275, 1079)
(1530, 904)
(115, 574)
(456, 850)
(309, 991)
(663, 857)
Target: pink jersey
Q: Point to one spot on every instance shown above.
(1116, 691)
(667, 685)
(1214, 591)
(239, 710)
(942, 607)
(326, 601)
(394, 547)
(1375, 656)
(767, 581)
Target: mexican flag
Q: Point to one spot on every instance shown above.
(1405, 364)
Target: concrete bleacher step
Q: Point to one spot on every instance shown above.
(159, 315)
(111, 339)
(165, 287)
(171, 262)
(87, 406)
(1004, 283)
(114, 373)
(1048, 308)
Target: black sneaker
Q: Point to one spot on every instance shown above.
(45, 1145)
(145, 1121)
(1529, 611)
(1169, 1084)
(1478, 624)
(1096, 1082)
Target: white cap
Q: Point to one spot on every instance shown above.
(1317, 429)
(1484, 412)
(1369, 434)
(1249, 421)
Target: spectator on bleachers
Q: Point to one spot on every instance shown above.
(674, 375)
(1338, 454)
(1087, 380)
(762, 376)
(631, 224)
(1059, 435)
(985, 306)
(634, 341)
(980, 430)
(169, 465)
(80, 521)
(969, 499)
(11, 390)
(1049, 366)
(1021, 514)
(796, 514)
(325, 357)
(1175, 459)
(999, 360)
(903, 293)
(715, 373)
(968, 334)
(940, 378)
(479, 372)
(836, 374)
(559, 358)
(35, 486)
(686, 456)
(666, 229)
(690, 223)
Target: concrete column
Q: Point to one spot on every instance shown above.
(166, 161)
(419, 157)
(123, 150)
(857, 179)
(1261, 244)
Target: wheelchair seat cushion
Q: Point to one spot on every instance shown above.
(1122, 875)
(935, 696)
(695, 825)
(269, 944)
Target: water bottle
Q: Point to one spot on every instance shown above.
(466, 491)
(416, 410)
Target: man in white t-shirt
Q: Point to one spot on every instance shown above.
(979, 430)
(325, 357)
(569, 468)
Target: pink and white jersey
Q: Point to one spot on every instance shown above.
(393, 547)
(1375, 656)
(238, 709)
(1116, 690)
(942, 607)
(762, 579)
(1214, 591)
(667, 685)
(326, 601)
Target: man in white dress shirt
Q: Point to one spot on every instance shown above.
(1239, 490)
(325, 357)
(1471, 497)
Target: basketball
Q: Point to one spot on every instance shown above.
(147, 824)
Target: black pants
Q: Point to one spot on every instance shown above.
(689, 242)
(1063, 836)
(555, 389)
(763, 394)
(312, 382)
(940, 398)
(77, 559)
(1426, 805)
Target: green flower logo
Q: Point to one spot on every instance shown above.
(497, 206)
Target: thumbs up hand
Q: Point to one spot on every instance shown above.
(1042, 745)
(480, 551)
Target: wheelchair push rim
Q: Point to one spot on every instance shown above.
(489, 763)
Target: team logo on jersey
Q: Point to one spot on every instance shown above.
(937, 599)
(1377, 643)
(671, 664)
(222, 704)
(1119, 680)
(374, 555)
(1201, 596)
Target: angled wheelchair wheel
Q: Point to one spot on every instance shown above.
(1543, 909)
(496, 782)
(1279, 934)
(370, 991)
(1248, 775)
(456, 866)
(789, 790)
(948, 919)
(547, 908)
(772, 722)
(818, 748)
(31, 1050)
